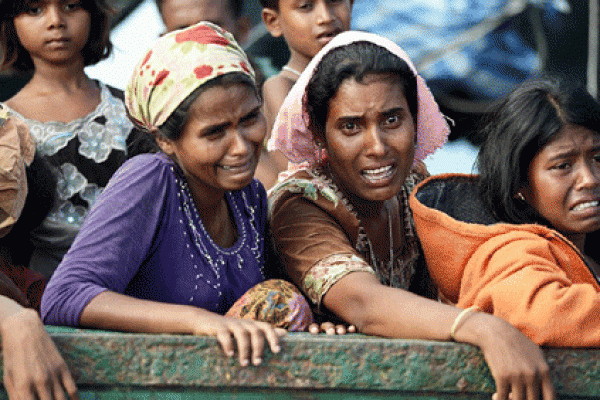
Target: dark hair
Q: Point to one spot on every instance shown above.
(172, 127)
(236, 7)
(516, 129)
(356, 60)
(98, 46)
(274, 4)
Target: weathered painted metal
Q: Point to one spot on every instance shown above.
(113, 365)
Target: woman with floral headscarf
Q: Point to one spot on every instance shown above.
(356, 127)
(180, 238)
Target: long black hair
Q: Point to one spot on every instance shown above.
(517, 128)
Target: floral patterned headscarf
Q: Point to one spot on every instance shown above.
(177, 64)
(17, 149)
(293, 138)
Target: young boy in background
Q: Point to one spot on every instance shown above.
(228, 14)
(307, 26)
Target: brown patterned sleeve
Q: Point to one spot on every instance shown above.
(313, 246)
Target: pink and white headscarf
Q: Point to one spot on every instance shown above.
(293, 138)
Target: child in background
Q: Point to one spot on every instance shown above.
(228, 14)
(78, 124)
(307, 27)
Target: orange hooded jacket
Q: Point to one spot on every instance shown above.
(529, 275)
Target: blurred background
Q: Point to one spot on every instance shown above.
(470, 51)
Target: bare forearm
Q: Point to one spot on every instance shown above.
(114, 311)
(379, 310)
(110, 310)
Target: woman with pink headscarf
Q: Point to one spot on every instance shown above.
(356, 127)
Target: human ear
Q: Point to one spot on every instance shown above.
(166, 145)
(272, 22)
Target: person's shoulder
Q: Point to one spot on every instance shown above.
(277, 85)
(151, 167)
(306, 185)
(274, 91)
(20, 101)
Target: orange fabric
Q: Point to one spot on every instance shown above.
(529, 275)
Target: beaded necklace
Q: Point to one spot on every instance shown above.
(216, 260)
(391, 261)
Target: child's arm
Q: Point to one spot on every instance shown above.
(272, 163)
(275, 90)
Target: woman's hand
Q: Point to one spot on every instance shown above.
(249, 336)
(516, 363)
(330, 328)
(33, 367)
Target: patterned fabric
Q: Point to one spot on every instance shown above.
(176, 65)
(17, 149)
(85, 153)
(328, 271)
(277, 302)
(320, 238)
(291, 134)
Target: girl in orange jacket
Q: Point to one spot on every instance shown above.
(519, 240)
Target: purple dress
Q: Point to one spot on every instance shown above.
(144, 238)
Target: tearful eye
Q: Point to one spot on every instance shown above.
(215, 134)
(349, 127)
(561, 166)
(392, 120)
(72, 6)
(250, 120)
(305, 6)
(34, 10)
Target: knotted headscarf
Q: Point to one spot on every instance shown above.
(177, 64)
(17, 149)
(293, 138)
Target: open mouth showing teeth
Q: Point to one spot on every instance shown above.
(585, 206)
(234, 167)
(378, 173)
